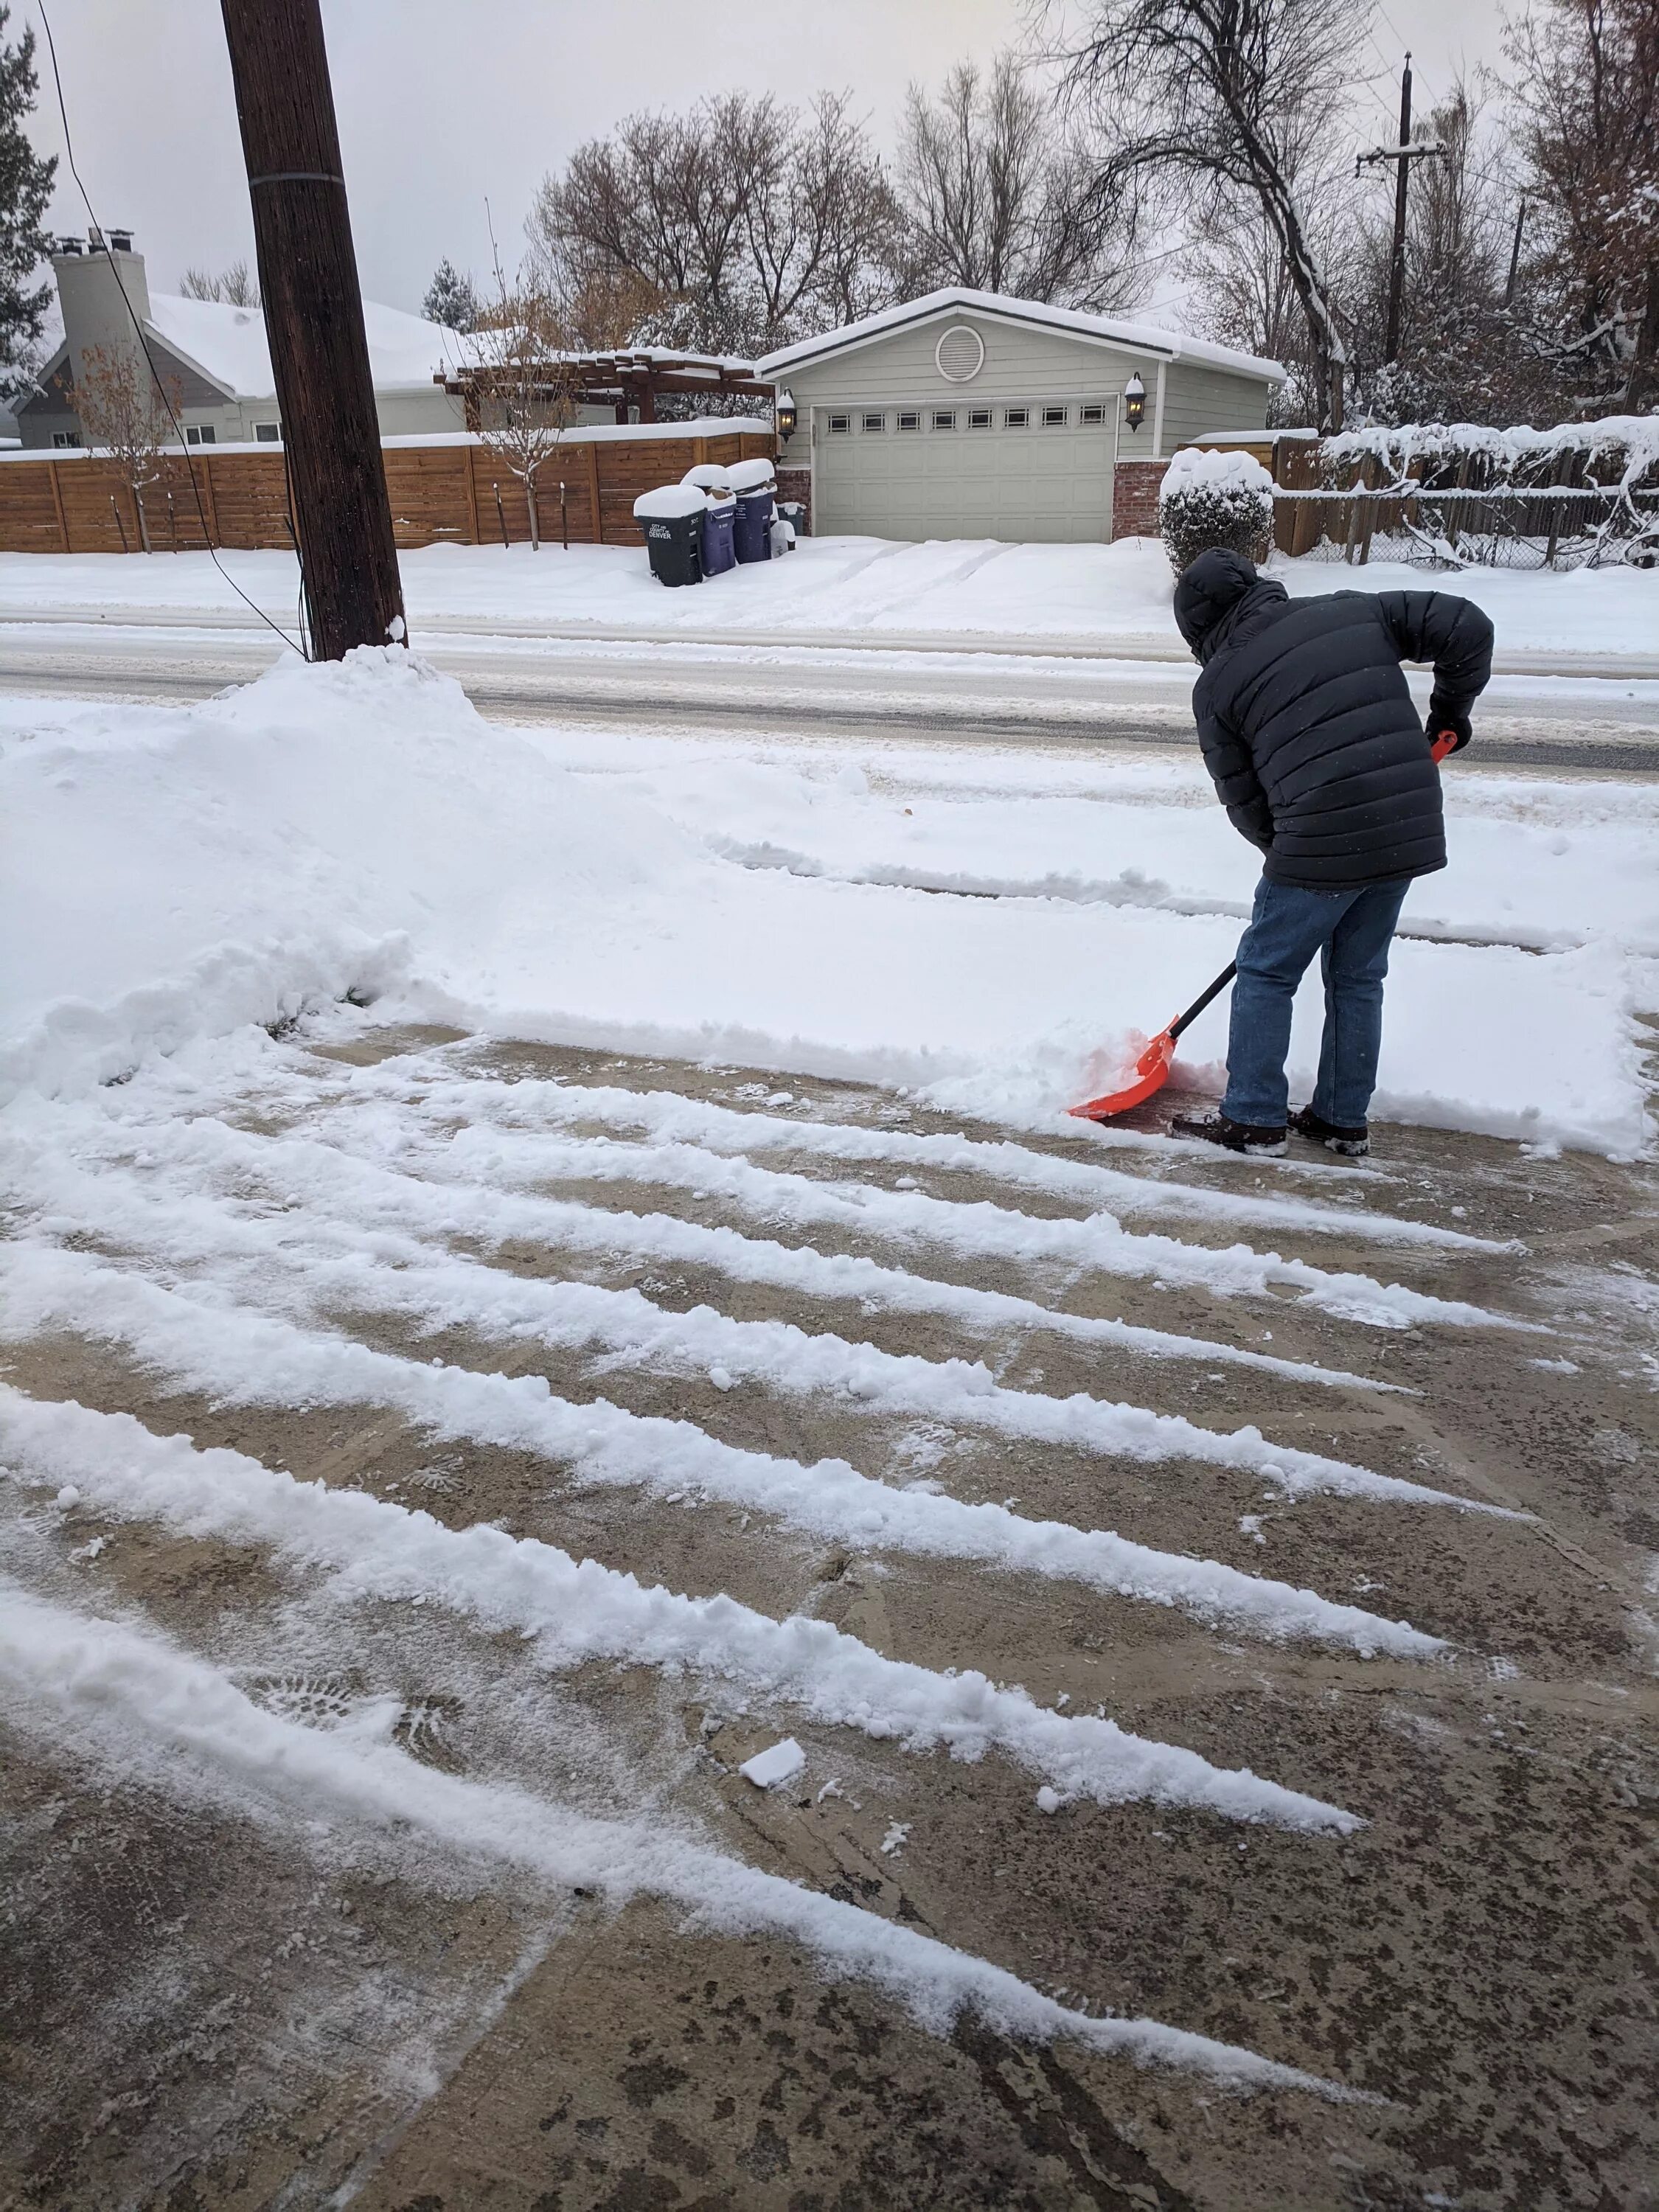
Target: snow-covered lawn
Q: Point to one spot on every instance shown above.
(1088, 595)
(179, 872)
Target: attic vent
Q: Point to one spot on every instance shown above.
(960, 354)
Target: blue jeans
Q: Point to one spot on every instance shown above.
(1351, 932)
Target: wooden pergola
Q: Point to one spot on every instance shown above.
(630, 377)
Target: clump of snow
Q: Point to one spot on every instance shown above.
(777, 1763)
(1047, 1799)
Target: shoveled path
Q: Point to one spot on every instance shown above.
(205, 2004)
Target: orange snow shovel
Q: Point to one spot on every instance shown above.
(1153, 1068)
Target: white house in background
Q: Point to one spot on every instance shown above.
(969, 414)
(215, 356)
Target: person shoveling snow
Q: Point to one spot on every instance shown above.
(1315, 750)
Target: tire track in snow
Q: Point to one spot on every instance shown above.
(375, 1548)
(241, 1359)
(131, 1700)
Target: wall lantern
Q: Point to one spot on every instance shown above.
(784, 408)
(1134, 401)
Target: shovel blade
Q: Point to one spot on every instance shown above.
(1151, 1073)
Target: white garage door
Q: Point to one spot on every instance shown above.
(1023, 471)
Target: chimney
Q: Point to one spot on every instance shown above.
(94, 313)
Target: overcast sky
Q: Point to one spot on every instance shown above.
(444, 104)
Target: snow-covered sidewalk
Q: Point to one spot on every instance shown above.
(866, 592)
(994, 933)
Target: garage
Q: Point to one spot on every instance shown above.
(967, 414)
(1033, 469)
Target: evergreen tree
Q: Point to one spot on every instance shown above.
(449, 299)
(25, 188)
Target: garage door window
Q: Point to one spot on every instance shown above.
(840, 425)
(1054, 418)
(873, 422)
(979, 418)
(1094, 413)
(909, 418)
(944, 418)
(1016, 418)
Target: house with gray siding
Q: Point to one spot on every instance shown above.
(212, 357)
(966, 414)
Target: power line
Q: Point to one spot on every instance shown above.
(101, 236)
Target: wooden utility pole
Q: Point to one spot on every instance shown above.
(1515, 252)
(1403, 155)
(314, 323)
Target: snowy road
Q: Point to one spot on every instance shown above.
(1207, 1596)
(1553, 723)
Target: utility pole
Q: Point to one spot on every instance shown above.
(1403, 155)
(1515, 252)
(314, 323)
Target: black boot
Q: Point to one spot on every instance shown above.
(1352, 1144)
(1234, 1136)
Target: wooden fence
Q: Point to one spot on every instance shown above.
(460, 494)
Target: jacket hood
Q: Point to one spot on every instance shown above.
(1212, 594)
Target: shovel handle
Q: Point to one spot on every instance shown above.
(1445, 742)
(1199, 1004)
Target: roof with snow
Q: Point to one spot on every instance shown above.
(228, 344)
(1075, 322)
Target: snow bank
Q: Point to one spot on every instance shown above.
(358, 829)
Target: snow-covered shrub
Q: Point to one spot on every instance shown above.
(1207, 498)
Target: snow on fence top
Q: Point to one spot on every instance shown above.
(1617, 449)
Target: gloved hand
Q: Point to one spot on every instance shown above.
(1441, 718)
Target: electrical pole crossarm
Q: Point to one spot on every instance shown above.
(314, 313)
(1414, 152)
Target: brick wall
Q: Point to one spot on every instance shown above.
(1134, 498)
(797, 483)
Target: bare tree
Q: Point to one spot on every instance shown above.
(1587, 91)
(998, 197)
(1241, 280)
(1228, 98)
(730, 227)
(234, 288)
(123, 410)
(527, 396)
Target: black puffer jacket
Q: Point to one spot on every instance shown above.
(1308, 729)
